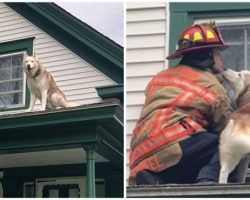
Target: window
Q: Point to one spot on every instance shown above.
(236, 33)
(13, 90)
(60, 187)
(12, 84)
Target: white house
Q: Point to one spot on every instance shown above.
(75, 152)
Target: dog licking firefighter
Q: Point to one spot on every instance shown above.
(235, 138)
(176, 138)
(42, 86)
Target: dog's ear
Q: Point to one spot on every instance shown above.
(34, 54)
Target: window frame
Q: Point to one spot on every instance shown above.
(12, 47)
(24, 78)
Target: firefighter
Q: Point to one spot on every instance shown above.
(186, 107)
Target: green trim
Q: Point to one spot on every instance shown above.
(111, 91)
(30, 173)
(184, 15)
(13, 47)
(98, 113)
(90, 174)
(110, 147)
(80, 38)
(17, 45)
(65, 128)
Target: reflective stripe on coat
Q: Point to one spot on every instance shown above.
(180, 101)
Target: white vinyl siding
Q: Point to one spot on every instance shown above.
(146, 53)
(75, 77)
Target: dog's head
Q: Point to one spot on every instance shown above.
(238, 81)
(31, 65)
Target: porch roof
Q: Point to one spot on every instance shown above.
(98, 124)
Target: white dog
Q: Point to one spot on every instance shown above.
(235, 138)
(42, 86)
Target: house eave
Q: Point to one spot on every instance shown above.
(65, 128)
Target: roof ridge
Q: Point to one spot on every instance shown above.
(87, 25)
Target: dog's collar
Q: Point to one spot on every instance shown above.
(36, 74)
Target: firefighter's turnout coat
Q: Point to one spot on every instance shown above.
(180, 101)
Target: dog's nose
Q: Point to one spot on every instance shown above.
(224, 69)
(28, 67)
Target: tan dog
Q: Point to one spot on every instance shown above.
(235, 138)
(42, 86)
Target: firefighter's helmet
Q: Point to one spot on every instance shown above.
(197, 37)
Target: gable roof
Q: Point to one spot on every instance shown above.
(98, 50)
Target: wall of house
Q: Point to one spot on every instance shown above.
(75, 77)
(147, 47)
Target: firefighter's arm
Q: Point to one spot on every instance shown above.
(220, 111)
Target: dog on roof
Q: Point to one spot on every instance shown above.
(42, 86)
(235, 138)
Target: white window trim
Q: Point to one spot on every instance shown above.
(226, 20)
(24, 82)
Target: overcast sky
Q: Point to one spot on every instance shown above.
(105, 17)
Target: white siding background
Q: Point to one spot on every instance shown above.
(75, 77)
(146, 51)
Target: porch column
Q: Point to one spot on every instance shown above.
(90, 175)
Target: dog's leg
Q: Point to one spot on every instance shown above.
(242, 169)
(44, 99)
(32, 102)
(228, 163)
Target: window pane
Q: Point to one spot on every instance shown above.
(5, 87)
(238, 37)
(11, 99)
(5, 74)
(17, 72)
(11, 75)
(232, 35)
(233, 57)
(17, 60)
(5, 63)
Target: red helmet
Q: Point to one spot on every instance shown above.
(197, 37)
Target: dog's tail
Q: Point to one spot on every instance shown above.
(70, 104)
